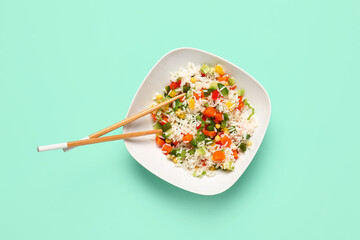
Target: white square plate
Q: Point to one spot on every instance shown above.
(148, 154)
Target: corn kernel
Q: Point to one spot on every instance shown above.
(170, 157)
(175, 160)
(159, 96)
(191, 103)
(172, 93)
(217, 126)
(230, 105)
(248, 143)
(217, 138)
(166, 107)
(168, 141)
(180, 114)
(212, 168)
(226, 132)
(193, 80)
(219, 69)
(226, 84)
(213, 144)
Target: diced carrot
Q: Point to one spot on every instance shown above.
(202, 93)
(235, 154)
(241, 105)
(187, 138)
(164, 120)
(154, 116)
(225, 140)
(209, 133)
(210, 112)
(175, 143)
(159, 141)
(218, 117)
(223, 78)
(218, 156)
(166, 149)
(233, 87)
(182, 99)
(197, 97)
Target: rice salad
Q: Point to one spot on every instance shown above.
(209, 128)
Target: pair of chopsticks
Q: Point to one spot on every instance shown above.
(96, 137)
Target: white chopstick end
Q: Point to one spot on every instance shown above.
(52, 147)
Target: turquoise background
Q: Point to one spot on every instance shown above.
(69, 68)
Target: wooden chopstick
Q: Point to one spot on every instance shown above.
(97, 140)
(130, 119)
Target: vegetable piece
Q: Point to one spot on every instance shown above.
(192, 151)
(187, 138)
(206, 92)
(172, 93)
(154, 117)
(157, 126)
(215, 95)
(189, 94)
(223, 78)
(205, 69)
(166, 148)
(193, 80)
(191, 103)
(183, 154)
(166, 126)
(224, 91)
(218, 117)
(218, 156)
(210, 112)
(213, 86)
(210, 128)
(226, 116)
(219, 69)
(206, 105)
(197, 96)
(174, 85)
(193, 142)
(231, 81)
(159, 141)
(235, 154)
(164, 120)
(174, 151)
(167, 90)
(248, 105)
(186, 88)
(241, 92)
(243, 147)
(223, 124)
(248, 136)
(201, 150)
(209, 133)
(209, 121)
(225, 140)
